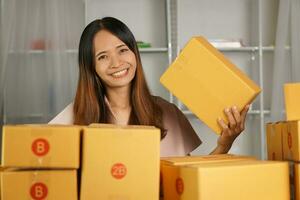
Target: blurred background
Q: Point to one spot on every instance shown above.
(39, 47)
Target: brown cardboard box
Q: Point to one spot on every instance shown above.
(290, 141)
(292, 99)
(41, 146)
(274, 140)
(243, 179)
(207, 82)
(296, 181)
(169, 176)
(120, 162)
(39, 185)
(189, 160)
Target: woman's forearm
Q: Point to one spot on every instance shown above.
(221, 150)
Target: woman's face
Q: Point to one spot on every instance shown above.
(115, 62)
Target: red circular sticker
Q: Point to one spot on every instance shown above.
(118, 171)
(40, 147)
(179, 186)
(289, 140)
(38, 191)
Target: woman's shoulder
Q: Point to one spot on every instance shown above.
(164, 104)
(168, 108)
(66, 116)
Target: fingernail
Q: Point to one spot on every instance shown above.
(226, 109)
(234, 108)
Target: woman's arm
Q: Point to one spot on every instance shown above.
(231, 131)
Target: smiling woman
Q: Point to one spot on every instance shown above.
(112, 86)
(112, 89)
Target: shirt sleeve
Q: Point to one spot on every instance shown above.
(191, 139)
(181, 139)
(65, 117)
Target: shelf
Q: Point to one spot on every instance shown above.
(164, 49)
(272, 48)
(41, 51)
(248, 49)
(238, 49)
(142, 50)
(251, 112)
(153, 50)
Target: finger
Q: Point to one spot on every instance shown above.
(224, 126)
(237, 117)
(232, 122)
(243, 115)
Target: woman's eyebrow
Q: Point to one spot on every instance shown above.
(100, 53)
(121, 45)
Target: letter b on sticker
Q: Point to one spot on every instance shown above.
(38, 191)
(40, 147)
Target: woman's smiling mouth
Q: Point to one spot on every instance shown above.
(120, 74)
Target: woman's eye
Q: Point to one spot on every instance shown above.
(102, 57)
(123, 50)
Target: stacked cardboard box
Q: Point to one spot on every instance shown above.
(120, 162)
(292, 99)
(275, 133)
(283, 138)
(40, 162)
(224, 177)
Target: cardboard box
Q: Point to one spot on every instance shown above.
(168, 176)
(296, 181)
(39, 185)
(120, 162)
(290, 141)
(244, 179)
(190, 160)
(292, 99)
(274, 140)
(41, 146)
(207, 82)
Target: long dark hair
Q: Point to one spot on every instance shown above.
(89, 105)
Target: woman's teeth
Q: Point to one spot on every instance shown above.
(119, 73)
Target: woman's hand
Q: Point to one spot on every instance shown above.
(231, 131)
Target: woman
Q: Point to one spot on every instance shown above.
(112, 89)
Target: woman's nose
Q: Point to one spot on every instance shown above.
(115, 61)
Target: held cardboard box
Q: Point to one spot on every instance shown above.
(290, 141)
(120, 162)
(39, 185)
(207, 82)
(274, 140)
(169, 176)
(244, 179)
(41, 146)
(292, 99)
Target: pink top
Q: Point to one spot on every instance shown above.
(181, 139)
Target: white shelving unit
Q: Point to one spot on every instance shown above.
(253, 21)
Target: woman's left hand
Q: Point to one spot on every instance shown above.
(234, 128)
